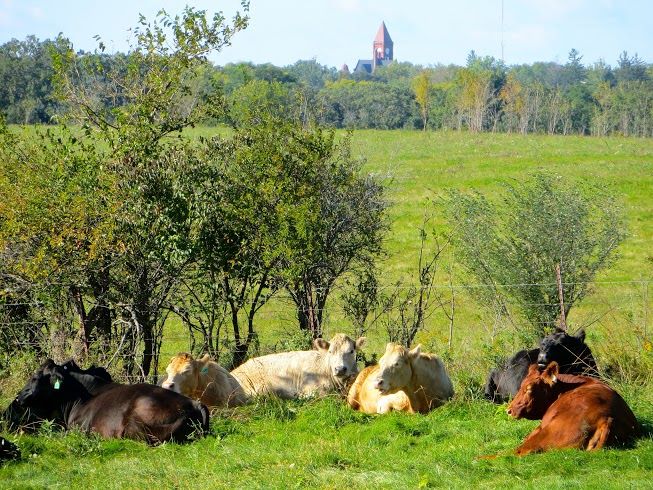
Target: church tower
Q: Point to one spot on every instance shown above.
(382, 48)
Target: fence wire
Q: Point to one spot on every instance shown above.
(631, 304)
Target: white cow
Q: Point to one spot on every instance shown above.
(302, 373)
(204, 380)
(403, 380)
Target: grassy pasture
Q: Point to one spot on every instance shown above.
(418, 167)
(322, 443)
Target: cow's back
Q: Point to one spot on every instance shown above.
(504, 382)
(286, 375)
(434, 381)
(587, 407)
(588, 417)
(218, 387)
(140, 411)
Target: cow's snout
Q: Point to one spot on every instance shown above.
(340, 370)
(509, 411)
(542, 360)
(168, 385)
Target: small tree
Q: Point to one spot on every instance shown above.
(513, 247)
(340, 229)
(133, 106)
(422, 89)
(412, 305)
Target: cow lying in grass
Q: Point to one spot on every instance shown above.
(204, 380)
(571, 353)
(302, 373)
(576, 411)
(403, 380)
(89, 401)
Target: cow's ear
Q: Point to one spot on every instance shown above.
(47, 364)
(414, 353)
(533, 368)
(321, 344)
(550, 374)
(580, 335)
(360, 342)
(205, 358)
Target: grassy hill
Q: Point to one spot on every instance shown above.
(418, 167)
(322, 443)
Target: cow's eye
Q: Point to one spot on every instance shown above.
(351, 351)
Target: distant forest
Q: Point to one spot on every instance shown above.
(484, 95)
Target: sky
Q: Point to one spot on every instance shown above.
(334, 32)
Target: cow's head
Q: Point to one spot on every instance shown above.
(535, 394)
(183, 373)
(395, 368)
(100, 373)
(340, 353)
(563, 348)
(41, 397)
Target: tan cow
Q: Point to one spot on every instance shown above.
(299, 374)
(204, 380)
(404, 381)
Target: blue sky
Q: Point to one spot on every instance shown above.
(341, 31)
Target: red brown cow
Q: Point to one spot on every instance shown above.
(576, 411)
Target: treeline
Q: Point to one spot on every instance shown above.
(483, 95)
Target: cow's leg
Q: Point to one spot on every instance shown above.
(532, 443)
(491, 387)
(384, 405)
(601, 434)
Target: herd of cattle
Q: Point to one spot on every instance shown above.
(557, 383)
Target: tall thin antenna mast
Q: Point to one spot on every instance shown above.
(502, 58)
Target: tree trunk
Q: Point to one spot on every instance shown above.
(144, 317)
(84, 330)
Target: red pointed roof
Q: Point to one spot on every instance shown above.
(382, 35)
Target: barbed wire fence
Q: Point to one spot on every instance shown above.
(621, 314)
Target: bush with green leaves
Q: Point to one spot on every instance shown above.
(511, 247)
(122, 221)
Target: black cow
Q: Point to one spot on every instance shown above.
(8, 450)
(570, 352)
(88, 400)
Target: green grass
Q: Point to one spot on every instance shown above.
(324, 444)
(419, 167)
(423, 165)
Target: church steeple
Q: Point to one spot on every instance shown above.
(382, 48)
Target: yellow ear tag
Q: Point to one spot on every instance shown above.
(57, 384)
